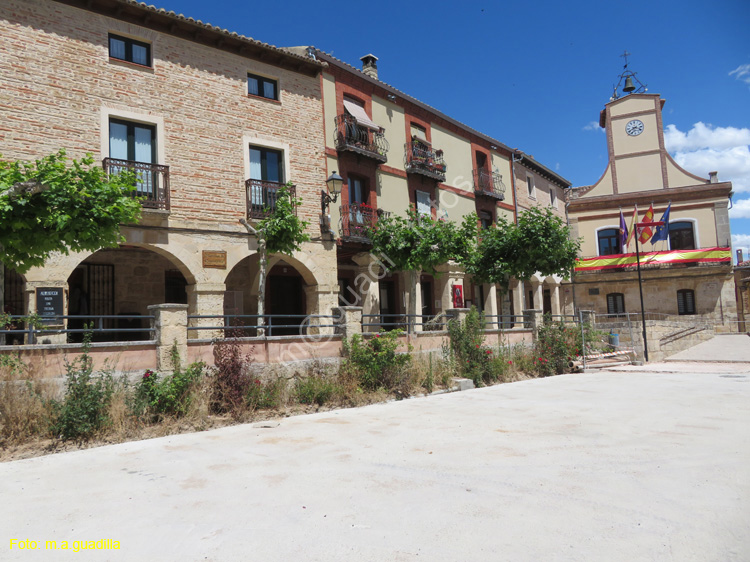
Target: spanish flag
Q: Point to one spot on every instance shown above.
(647, 233)
(631, 233)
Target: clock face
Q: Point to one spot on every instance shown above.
(634, 128)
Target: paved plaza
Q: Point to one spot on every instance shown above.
(613, 465)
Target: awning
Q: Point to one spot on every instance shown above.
(360, 115)
(623, 261)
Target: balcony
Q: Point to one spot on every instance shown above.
(261, 197)
(489, 184)
(356, 221)
(704, 257)
(352, 136)
(152, 181)
(422, 159)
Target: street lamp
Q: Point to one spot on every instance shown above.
(334, 183)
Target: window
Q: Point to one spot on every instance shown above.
(681, 236)
(530, 186)
(129, 50)
(418, 131)
(685, 302)
(552, 196)
(609, 241)
(615, 303)
(135, 142)
(262, 87)
(424, 206)
(266, 166)
(485, 219)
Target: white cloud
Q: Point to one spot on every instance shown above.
(740, 210)
(740, 242)
(742, 72)
(593, 126)
(706, 148)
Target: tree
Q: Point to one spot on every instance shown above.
(280, 232)
(539, 243)
(52, 205)
(418, 243)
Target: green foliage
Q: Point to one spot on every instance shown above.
(418, 242)
(231, 381)
(540, 242)
(376, 361)
(315, 390)
(473, 359)
(171, 395)
(81, 209)
(557, 344)
(282, 230)
(83, 410)
(265, 395)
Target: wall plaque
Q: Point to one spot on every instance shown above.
(49, 303)
(215, 259)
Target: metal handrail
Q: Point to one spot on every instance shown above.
(57, 325)
(152, 180)
(421, 158)
(262, 195)
(357, 219)
(267, 326)
(489, 183)
(350, 135)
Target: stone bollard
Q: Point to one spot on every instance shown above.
(589, 317)
(348, 320)
(170, 328)
(532, 319)
(458, 314)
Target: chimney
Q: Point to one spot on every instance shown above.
(739, 256)
(713, 177)
(370, 65)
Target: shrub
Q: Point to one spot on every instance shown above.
(231, 380)
(170, 396)
(557, 344)
(265, 395)
(83, 410)
(376, 362)
(472, 358)
(24, 410)
(315, 390)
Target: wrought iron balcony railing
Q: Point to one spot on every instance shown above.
(152, 180)
(421, 158)
(356, 221)
(261, 197)
(350, 135)
(489, 184)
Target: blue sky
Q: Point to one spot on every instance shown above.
(535, 74)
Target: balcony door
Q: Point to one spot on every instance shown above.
(135, 142)
(357, 197)
(266, 165)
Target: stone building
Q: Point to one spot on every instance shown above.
(213, 122)
(394, 151)
(689, 272)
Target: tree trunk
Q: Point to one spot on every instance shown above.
(262, 284)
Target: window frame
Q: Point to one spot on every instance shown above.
(130, 124)
(264, 150)
(693, 230)
(682, 294)
(613, 310)
(531, 186)
(262, 80)
(616, 236)
(552, 196)
(129, 43)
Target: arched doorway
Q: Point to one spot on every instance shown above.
(122, 283)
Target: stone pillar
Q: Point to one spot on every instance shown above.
(449, 274)
(206, 299)
(490, 306)
(721, 214)
(589, 317)
(538, 295)
(555, 294)
(348, 320)
(417, 322)
(367, 283)
(457, 314)
(320, 302)
(532, 319)
(52, 337)
(170, 330)
(519, 300)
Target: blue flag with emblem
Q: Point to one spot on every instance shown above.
(662, 232)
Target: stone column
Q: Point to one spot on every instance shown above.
(170, 330)
(490, 306)
(52, 337)
(555, 294)
(538, 295)
(589, 317)
(348, 320)
(206, 299)
(449, 274)
(321, 300)
(457, 314)
(367, 283)
(519, 301)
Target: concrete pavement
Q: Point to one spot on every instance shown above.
(610, 466)
(723, 348)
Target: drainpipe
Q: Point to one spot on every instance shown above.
(513, 181)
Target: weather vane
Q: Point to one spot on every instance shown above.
(628, 76)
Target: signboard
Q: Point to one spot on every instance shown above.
(214, 259)
(458, 298)
(49, 303)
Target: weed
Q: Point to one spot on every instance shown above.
(377, 363)
(315, 390)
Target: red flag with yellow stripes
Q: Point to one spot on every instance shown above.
(647, 233)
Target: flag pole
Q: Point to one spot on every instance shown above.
(640, 289)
